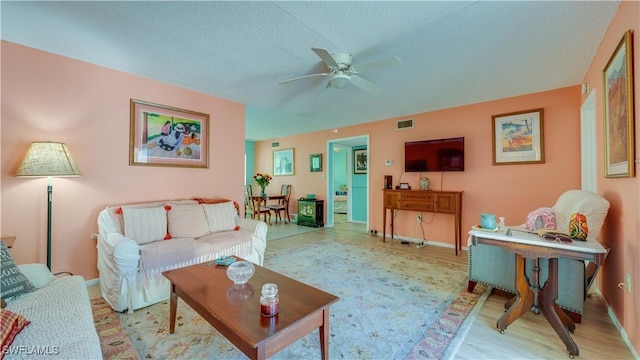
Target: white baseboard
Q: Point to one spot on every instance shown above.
(419, 241)
(92, 282)
(623, 333)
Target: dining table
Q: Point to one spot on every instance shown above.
(261, 200)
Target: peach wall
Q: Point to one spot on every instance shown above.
(49, 97)
(507, 190)
(621, 232)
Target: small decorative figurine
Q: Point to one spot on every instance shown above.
(424, 183)
(578, 229)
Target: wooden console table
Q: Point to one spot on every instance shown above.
(532, 296)
(442, 202)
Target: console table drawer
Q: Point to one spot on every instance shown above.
(423, 196)
(417, 205)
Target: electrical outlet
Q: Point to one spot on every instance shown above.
(627, 282)
(419, 217)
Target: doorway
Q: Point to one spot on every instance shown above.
(347, 193)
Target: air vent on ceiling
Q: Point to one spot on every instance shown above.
(275, 144)
(404, 124)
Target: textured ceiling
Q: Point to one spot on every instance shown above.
(453, 53)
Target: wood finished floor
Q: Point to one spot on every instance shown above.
(530, 337)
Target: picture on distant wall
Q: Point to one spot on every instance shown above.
(360, 161)
(167, 136)
(283, 162)
(315, 162)
(518, 137)
(618, 112)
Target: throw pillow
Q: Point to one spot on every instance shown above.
(541, 218)
(145, 225)
(188, 221)
(14, 282)
(12, 324)
(221, 216)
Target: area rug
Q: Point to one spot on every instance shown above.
(114, 341)
(392, 306)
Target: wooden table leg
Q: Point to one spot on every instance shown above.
(551, 311)
(324, 334)
(173, 307)
(524, 298)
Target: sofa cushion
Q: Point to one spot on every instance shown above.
(14, 282)
(187, 221)
(221, 216)
(12, 324)
(145, 225)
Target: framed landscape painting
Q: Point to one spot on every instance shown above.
(618, 112)
(283, 162)
(167, 136)
(518, 137)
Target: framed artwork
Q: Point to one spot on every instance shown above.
(518, 137)
(360, 161)
(167, 136)
(283, 162)
(315, 162)
(618, 112)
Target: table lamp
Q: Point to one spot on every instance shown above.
(48, 158)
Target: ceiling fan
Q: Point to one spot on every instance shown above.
(342, 71)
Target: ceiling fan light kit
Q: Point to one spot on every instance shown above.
(340, 80)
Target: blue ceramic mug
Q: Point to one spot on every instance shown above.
(488, 221)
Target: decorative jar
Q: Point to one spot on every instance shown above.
(240, 272)
(269, 300)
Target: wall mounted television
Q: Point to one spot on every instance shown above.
(434, 155)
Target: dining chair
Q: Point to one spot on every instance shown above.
(283, 204)
(255, 206)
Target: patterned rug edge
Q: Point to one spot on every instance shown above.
(115, 343)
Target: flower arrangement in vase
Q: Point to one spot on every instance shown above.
(262, 180)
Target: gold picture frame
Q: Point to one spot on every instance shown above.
(617, 77)
(167, 136)
(518, 137)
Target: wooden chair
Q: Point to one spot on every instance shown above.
(254, 206)
(283, 204)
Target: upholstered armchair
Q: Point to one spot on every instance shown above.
(495, 267)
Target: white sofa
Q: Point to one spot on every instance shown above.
(61, 319)
(131, 258)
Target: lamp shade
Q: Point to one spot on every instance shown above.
(47, 158)
(340, 80)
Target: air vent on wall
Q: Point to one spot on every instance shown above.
(404, 124)
(275, 144)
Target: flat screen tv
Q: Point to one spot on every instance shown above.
(434, 155)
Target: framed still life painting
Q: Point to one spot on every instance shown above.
(167, 136)
(618, 112)
(518, 137)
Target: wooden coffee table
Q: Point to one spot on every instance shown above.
(234, 310)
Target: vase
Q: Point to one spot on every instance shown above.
(262, 191)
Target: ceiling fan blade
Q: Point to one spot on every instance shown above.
(365, 85)
(303, 77)
(326, 57)
(377, 64)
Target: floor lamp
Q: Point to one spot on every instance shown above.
(47, 158)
